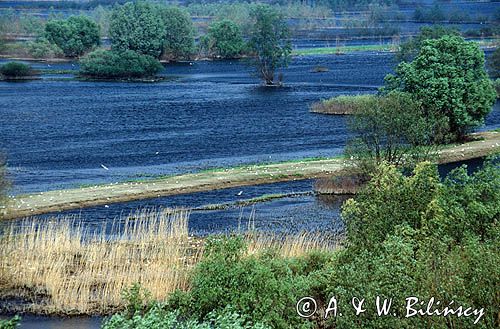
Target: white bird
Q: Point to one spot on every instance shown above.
(157, 153)
(239, 193)
(104, 167)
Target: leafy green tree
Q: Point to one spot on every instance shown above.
(75, 35)
(382, 133)
(118, 65)
(42, 48)
(178, 33)
(494, 64)
(409, 49)
(224, 39)
(137, 26)
(269, 41)
(449, 78)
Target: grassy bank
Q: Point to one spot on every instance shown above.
(340, 105)
(59, 267)
(482, 144)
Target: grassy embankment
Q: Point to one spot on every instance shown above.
(483, 144)
(57, 267)
(340, 105)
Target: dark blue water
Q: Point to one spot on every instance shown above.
(57, 133)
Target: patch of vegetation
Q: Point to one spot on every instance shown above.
(223, 40)
(178, 34)
(74, 36)
(12, 323)
(496, 84)
(270, 42)
(449, 79)
(103, 64)
(392, 129)
(494, 64)
(340, 50)
(15, 70)
(344, 104)
(42, 48)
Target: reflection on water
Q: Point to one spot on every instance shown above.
(48, 322)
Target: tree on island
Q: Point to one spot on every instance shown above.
(449, 78)
(75, 35)
(178, 33)
(223, 40)
(269, 41)
(137, 26)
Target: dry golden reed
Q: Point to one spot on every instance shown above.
(61, 267)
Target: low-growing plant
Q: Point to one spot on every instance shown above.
(15, 70)
(12, 323)
(118, 65)
(343, 104)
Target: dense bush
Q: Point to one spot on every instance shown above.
(223, 40)
(75, 35)
(269, 41)
(449, 78)
(42, 48)
(11, 323)
(137, 26)
(178, 34)
(262, 288)
(118, 65)
(15, 69)
(392, 129)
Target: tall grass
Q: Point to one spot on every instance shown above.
(61, 266)
(341, 104)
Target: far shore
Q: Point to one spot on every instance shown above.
(482, 144)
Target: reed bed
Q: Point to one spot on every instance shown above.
(341, 105)
(62, 266)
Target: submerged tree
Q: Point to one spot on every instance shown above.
(449, 78)
(137, 26)
(269, 40)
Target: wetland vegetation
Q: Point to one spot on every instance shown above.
(200, 140)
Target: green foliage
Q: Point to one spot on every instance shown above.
(409, 49)
(262, 288)
(496, 85)
(178, 33)
(392, 129)
(449, 78)
(42, 48)
(494, 64)
(75, 35)
(137, 26)
(269, 41)
(223, 40)
(158, 318)
(433, 14)
(118, 65)
(11, 323)
(416, 236)
(343, 104)
(15, 69)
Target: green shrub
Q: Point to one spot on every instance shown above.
(118, 65)
(223, 40)
(15, 69)
(10, 324)
(496, 84)
(261, 288)
(75, 35)
(42, 48)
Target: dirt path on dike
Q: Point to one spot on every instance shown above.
(59, 200)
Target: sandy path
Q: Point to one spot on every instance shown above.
(58, 200)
